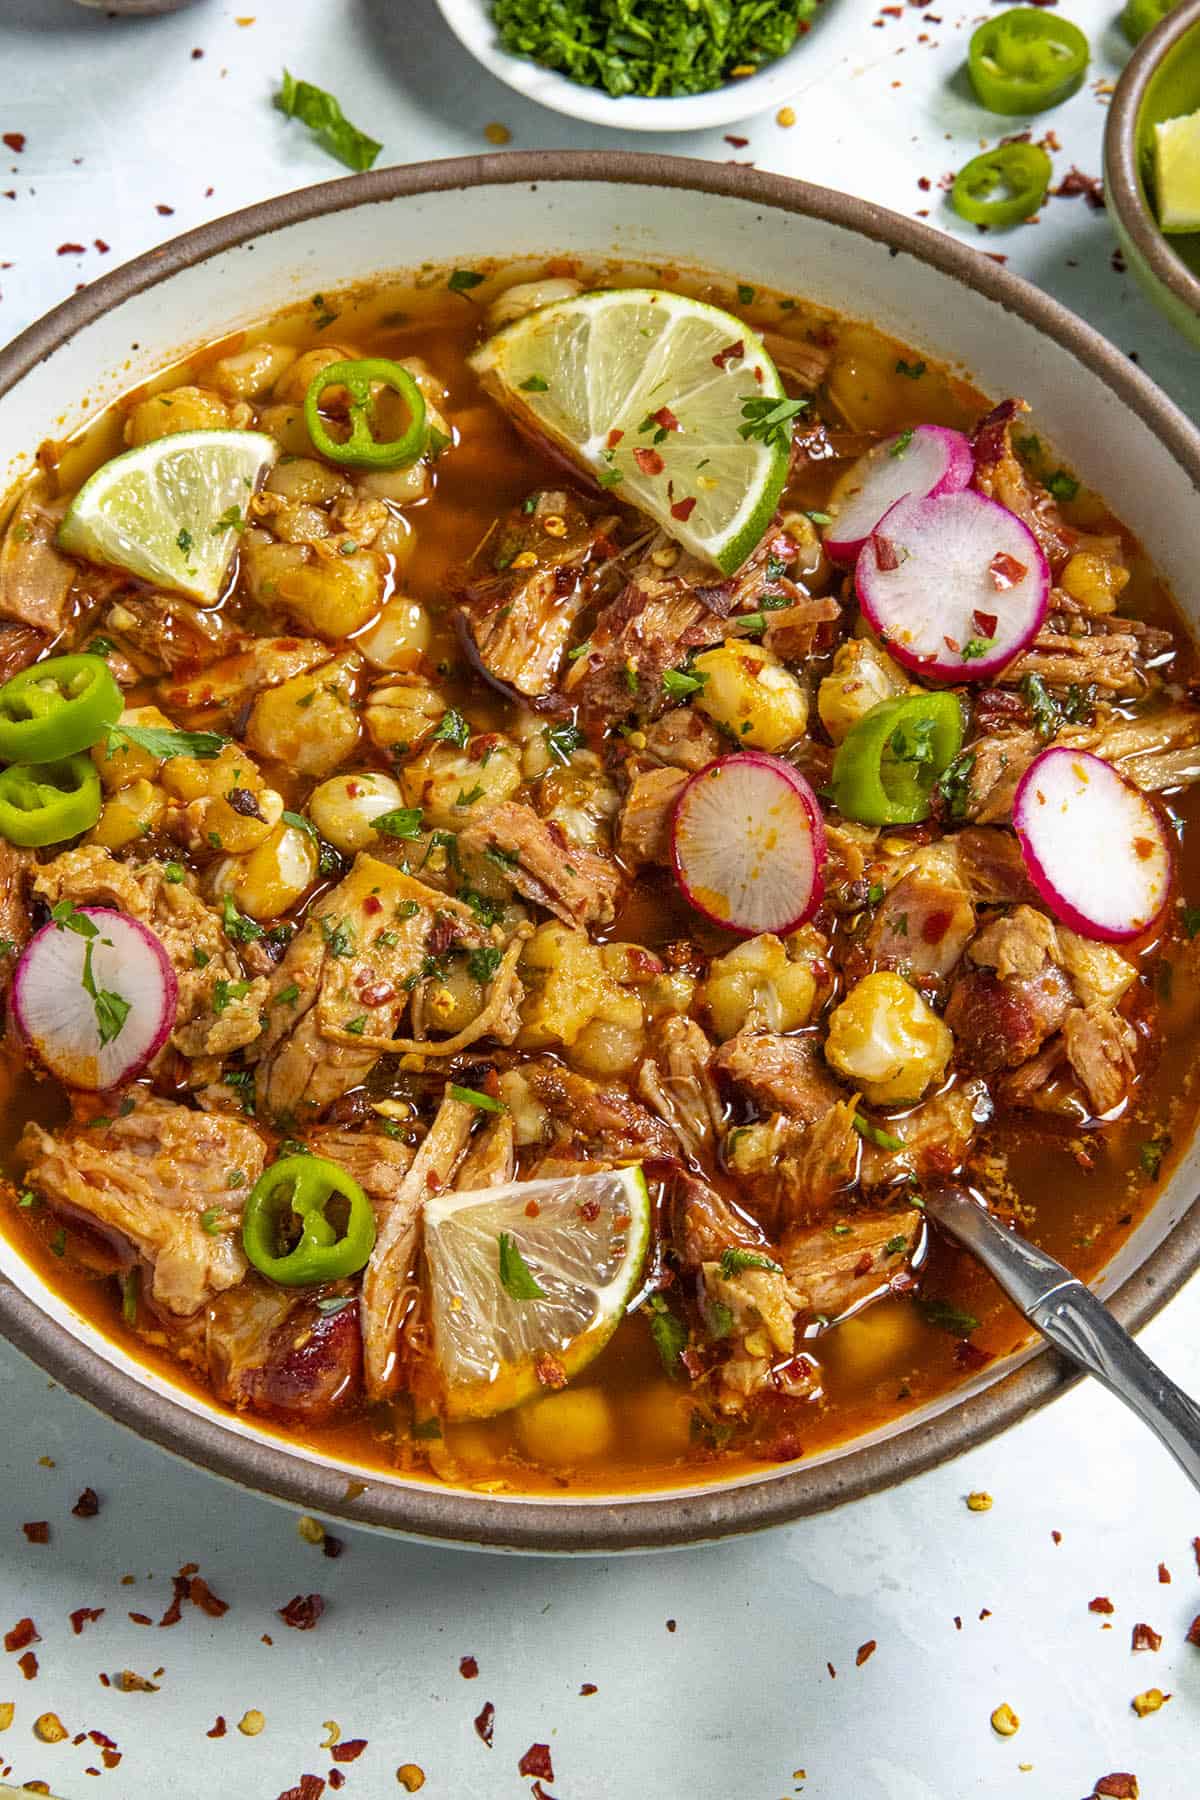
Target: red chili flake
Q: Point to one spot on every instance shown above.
(180, 1584)
(110, 1758)
(666, 419)
(865, 1652)
(1057, 1536)
(985, 1612)
(957, 1622)
(15, 140)
(1005, 571)
(648, 461)
(1146, 1638)
(372, 904)
(865, 1263)
(538, 1792)
(219, 1728)
(589, 1687)
(468, 1667)
(739, 143)
(349, 1750)
(69, 250)
(683, 510)
(1101, 1604)
(924, 183)
(1193, 1632)
(201, 1595)
(971, 1356)
(336, 1779)
(1164, 1574)
(485, 1723)
(377, 993)
(196, 55)
(309, 1787)
(302, 1611)
(730, 353)
(887, 554)
(37, 1531)
(1075, 182)
(23, 1632)
(332, 1546)
(28, 1665)
(671, 1625)
(87, 1505)
(84, 1615)
(166, 211)
(103, 1742)
(268, 1640)
(141, 1618)
(536, 1761)
(1117, 1787)
(613, 439)
(832, 1671)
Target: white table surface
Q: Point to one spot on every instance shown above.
(120, 120)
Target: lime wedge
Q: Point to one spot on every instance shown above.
(647, 390)
(1177, 172)
(171, 510)
(580, 1241)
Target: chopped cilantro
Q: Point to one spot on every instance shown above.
(483, 963)
(226, 992)
(913, 370)
(948, 1317)
(669, 1333)
(238, 928)
(534, 384)
(452, 728)
(733, 1261)
(462, 280)
(401, 822)
(516, 1277)
(562, 741)
(484, 1102)
(1062, 485)
(770, 420)
(874, 1134)
(317, 109)
(678, 684)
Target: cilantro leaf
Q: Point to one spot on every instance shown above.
(733, 1261)
(516, 1277)
(322, 114)
(157, 740)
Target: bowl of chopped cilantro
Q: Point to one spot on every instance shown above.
(641, 65)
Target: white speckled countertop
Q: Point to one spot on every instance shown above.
(714, 1670)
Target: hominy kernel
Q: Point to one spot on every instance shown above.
(251, 1723)
(1005, 1722)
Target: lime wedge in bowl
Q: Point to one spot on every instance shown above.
(170, 511)
(526, 1272)
(673, 405)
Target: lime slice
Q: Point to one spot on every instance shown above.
(647, 389)
(171, 510)
(581, 1240)
(1177, 172)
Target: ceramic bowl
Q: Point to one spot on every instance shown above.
(1104, 418)
(776, 82)
(1161, 81)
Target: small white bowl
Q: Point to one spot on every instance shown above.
(471, 23)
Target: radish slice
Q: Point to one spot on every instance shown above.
(1096, 849)
(929, 460)
(748, 844)
(955, 586)
(94, 997)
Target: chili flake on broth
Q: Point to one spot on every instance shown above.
(410, 783)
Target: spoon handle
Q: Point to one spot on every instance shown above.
(1075, 1322)
(1081, 1326)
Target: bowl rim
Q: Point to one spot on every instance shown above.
(644, 1520)
(471, 25)
(1122, 181)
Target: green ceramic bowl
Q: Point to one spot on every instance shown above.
(1162, 81)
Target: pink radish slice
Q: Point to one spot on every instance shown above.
(956, 586)
(748, 844)
(929, 460)
(65, 1023)
(1095, 847)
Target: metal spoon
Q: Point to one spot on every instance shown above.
(1075, 1322)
